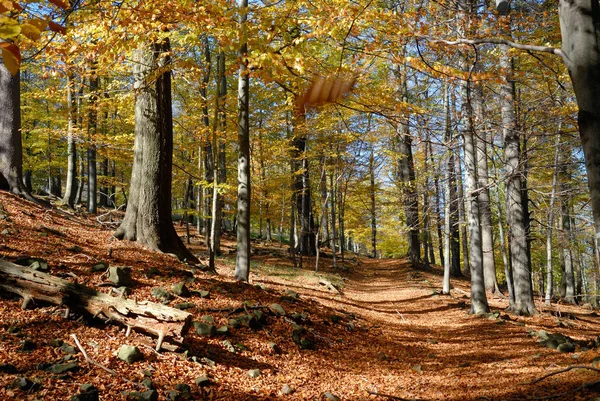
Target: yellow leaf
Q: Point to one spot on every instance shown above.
(9, 28)
(31, 31)
(11, 57)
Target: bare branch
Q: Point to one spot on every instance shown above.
(497, 41)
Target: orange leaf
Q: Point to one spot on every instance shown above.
(57, 28)
(59, 3)
(11, 57)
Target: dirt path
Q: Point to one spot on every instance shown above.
(414, 343)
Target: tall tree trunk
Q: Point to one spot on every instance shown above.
(373, 205)
(406, 175)
(567, 255)
(221, 161)
(487, 240)
(550, 224)
(462, 215)
(516, 217)
(451, 215)
(306, 243)
(242, 263)
(92, 187)
(148, 217)
(580, 30)
(11, 151)
(436, 206)
(479, 303)
(333, 186)
(207, 149)
(324, 199)
(71, 184)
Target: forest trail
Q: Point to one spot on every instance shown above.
(425, 345)
(390, 331)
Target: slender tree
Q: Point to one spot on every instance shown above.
(242, 264)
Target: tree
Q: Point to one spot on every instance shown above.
(11, 153)
(242, 262)
(580, 37)
(71, 184)
(148, 217)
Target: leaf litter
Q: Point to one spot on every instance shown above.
(389, 333)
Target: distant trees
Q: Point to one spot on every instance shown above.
(434, 140)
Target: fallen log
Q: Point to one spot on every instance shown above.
(160, 320)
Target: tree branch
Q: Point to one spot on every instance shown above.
(496, 41)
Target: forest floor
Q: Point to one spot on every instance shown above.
(389, 331)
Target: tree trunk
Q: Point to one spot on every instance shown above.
(71, 184)
(11, 151)
(487, 240)
(550, 223)
(479, 303)
(566, 241)
(306, 245)
(406, 173)
(242, 263)
(148, 217)
(92, 187)
(462, 215)
(373, 208)
(580, 32)
(149, 317)
(206, 160)
(516, 217)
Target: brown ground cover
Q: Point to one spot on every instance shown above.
(388, 332)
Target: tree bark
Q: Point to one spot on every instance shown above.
(580, 32)
(11, 151)
(516, 218)
(406, 172)
(92, 188)
(71, 184)
(149, 317)
(487, 240)
(148, 217)
(550, 224)
(242, 263)
(373, 205)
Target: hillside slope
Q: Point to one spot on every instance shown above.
(389, 331)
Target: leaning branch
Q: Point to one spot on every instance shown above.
(496, 41)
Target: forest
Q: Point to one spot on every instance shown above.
(308, 199)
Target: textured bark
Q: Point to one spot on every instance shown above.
(11, 151)
(92, 188)
(580, 30)
(406, 176)
(550, 224)
(306, 238)
(149, 317)
(242, 263)
(479, 303)
(148, 217)
(567, 255)
(71, 184)
(206, 161)
(451, 238)
(487, 240)
(516, 216)
(373, 205)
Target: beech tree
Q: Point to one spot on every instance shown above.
(11, 153)
(148, 217)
